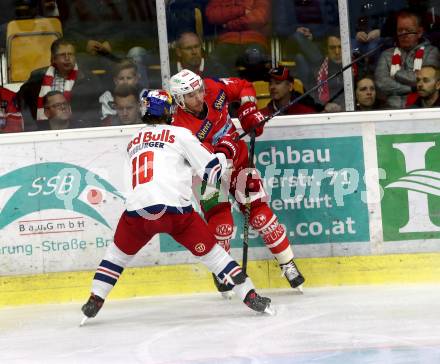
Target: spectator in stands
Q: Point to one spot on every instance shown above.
(58, 112)
(331, 94)
(124, 73)
(241, 24)
(126, 105)
(11, 120)
(189, 53)
(428, 86)
(395, 72)
(366, 94)
(181, 17)
(254, 64)
(282, 92)
(79, 86)
(313, 19)
(428, 11)
(104, 32)
(370, 17)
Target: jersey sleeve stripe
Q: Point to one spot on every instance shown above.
(212, 171)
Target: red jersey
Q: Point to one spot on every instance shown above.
(217, 123)
(11, 119)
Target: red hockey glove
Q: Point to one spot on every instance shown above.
(228, 145)
(250, 117)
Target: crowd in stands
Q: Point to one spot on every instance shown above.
(109, 51)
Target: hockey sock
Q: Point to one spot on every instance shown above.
(272, 232)
(109, 271)
(285, 256)
(228, 271)
(221, 224)
(222, 232)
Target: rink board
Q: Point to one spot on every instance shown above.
(363, 185)
(195, 278)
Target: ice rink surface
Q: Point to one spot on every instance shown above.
(362, 324)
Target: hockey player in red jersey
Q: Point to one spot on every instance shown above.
(203, 109)
(162, 158)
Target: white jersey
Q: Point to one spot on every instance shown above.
(163, 160)
(107, 101)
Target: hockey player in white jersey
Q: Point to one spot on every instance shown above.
(163, 159)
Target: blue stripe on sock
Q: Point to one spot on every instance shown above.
(111, 266)
(104, 278)
(228, 269)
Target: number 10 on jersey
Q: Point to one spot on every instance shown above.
(142, 168)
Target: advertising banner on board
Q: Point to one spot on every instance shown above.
(315, 186)
(411, 188)
(59, 204)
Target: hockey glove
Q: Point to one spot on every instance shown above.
(228, 145)
(250, 117)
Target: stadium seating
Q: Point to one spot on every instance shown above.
(28, 45)
(262, 90)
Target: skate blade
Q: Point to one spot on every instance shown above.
(269, 310)
(83, 321)
(227, 295)
(300, 289)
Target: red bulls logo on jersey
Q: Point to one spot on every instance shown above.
(145, 137)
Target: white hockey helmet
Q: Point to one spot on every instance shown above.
(183, 83)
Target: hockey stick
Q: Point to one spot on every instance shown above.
(247, 212)
(314, 88)
(251, 133)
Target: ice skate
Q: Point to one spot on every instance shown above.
(91, 308)
(258, 303)
(293, 275)
(225, 291)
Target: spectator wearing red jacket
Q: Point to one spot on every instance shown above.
(281, 93)
(11, 120)
(241, 25)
